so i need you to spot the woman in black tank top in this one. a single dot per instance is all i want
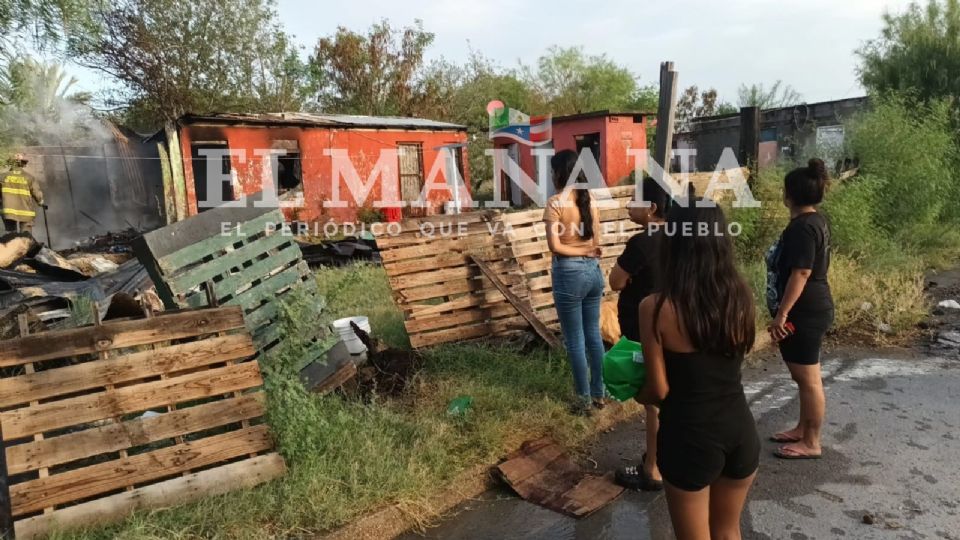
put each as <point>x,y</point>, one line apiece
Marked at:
<point>695,333</point>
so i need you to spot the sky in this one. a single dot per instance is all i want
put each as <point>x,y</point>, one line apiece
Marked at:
<point>808,44</point>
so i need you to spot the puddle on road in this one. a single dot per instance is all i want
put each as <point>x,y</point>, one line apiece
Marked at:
<point>500,515</point>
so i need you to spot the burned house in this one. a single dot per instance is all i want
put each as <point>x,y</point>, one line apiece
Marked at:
<point>95,188</point>
<point>404,153</point>
<point>785,133</point>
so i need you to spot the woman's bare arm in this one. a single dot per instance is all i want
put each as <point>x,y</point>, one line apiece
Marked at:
<point>655,386</point>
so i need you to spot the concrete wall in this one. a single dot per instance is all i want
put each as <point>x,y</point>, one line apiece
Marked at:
<point>794,130</point>
<point>363,146</point>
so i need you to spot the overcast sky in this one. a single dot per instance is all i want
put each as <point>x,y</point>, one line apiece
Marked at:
<point>809,44</point>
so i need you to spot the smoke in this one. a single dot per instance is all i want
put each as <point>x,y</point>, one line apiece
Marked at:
<point>40,109</point>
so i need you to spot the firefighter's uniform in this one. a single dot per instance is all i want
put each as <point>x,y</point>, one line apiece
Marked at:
<point>21,195</point>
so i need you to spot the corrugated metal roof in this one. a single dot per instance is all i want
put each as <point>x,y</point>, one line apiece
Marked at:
<point>326,120</point>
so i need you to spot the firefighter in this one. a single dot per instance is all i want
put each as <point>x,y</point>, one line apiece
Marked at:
<point>21,196</point>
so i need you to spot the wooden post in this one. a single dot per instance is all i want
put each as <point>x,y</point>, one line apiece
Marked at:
<point>666,112</point>
<point>176,170</point>
<point>749,138</point>
<point>169,198</point>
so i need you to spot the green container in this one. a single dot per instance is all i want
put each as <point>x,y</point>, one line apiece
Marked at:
<point>623,370</point>
<point>459,406</point>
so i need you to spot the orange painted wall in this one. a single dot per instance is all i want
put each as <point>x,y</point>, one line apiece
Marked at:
<point>617,135</point>
<point>363,147</point>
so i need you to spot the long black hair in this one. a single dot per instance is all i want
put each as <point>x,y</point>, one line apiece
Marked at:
<point>714,304</point>
<point>805,186</point>
<point>563,163</point>
<point>653,192</point>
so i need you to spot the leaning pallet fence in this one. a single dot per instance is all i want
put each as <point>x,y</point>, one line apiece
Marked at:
<point>233,255</point>
<point>103,420</point>
<point>445,297</point>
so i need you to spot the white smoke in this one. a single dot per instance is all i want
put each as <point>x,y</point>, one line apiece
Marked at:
<point>40,110</point>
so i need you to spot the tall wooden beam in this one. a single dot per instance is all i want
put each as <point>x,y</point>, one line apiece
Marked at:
<point>666,113</point>
<point>749,138</point>
<point>176,170</point>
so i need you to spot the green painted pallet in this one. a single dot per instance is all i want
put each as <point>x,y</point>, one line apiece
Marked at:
<point>233,256</point>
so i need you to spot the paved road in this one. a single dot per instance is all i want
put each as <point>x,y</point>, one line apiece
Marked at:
<point>892,451</point>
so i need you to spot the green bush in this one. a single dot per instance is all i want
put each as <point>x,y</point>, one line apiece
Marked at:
<point>908,150</point>
<point>760,227</point>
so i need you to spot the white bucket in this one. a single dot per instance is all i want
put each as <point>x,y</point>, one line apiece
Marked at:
<point>347,336</point>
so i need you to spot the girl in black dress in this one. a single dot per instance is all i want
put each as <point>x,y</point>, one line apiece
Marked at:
<point>799,300</point>
<point>695,332</point>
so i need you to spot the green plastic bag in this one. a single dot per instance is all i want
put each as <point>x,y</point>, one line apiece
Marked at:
<point>623,369</point>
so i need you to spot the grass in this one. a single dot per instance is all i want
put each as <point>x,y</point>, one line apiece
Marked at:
<point>347,458</point>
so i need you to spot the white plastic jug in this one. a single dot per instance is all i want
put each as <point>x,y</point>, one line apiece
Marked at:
<point>347,336</point>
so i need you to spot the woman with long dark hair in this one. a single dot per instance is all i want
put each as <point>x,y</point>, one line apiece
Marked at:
<point>573,235</point>
<point>695,332</point>
<point>799,300</point>
<point>636,275</point>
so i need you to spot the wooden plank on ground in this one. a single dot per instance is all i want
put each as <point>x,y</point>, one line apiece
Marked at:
<point>116,335</point>
<point>68,412</point>
<point>131,433</point>
<point>119,369</point>
<point>93,480</point>
<point>239,475</point>
<point>519,304</point>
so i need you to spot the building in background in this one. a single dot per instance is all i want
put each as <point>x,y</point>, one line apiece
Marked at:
<point>785,133</point>
<point>608,135</point>
<point>305,170</point>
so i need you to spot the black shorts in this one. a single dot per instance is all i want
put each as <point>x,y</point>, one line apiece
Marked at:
<point>803,346</point>
<point>692,459</point>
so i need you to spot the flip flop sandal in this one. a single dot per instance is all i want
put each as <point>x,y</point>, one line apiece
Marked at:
<point>776,437</point>
<point>780,453</point>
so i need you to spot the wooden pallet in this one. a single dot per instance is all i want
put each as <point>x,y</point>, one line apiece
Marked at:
<point>443,296</point>
<point>106,419</point>
<point>238,256</point>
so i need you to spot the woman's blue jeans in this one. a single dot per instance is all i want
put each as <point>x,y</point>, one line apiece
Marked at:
<point>577,291</point>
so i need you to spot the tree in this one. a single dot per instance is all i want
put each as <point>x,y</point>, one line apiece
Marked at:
<point>39,24</point>
<point>570,82</point>
<point>42,110</point>
<point>918,52</point>
<point>460,94</point>
<point>694,104</point>
<point>778,95</point>
<point>376,73</point>
<point>202,56</point>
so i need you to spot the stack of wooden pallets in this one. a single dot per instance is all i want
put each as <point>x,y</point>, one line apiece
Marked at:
<point>106,419</point>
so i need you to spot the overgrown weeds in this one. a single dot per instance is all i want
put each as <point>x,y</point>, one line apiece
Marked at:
<point>349,457</point>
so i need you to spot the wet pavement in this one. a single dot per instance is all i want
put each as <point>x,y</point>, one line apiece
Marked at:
<point>891,458</point>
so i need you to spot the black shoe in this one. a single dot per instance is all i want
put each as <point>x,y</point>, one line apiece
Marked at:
<point>637,479</point>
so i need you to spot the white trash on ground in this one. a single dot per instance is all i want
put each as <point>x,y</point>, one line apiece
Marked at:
<point>949,304</point>
<point>347,336</point>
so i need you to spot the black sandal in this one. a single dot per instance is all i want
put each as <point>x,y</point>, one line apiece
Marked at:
<point>637,479</point>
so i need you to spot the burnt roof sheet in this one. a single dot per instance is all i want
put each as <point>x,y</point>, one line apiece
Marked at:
<point>325,120</point>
